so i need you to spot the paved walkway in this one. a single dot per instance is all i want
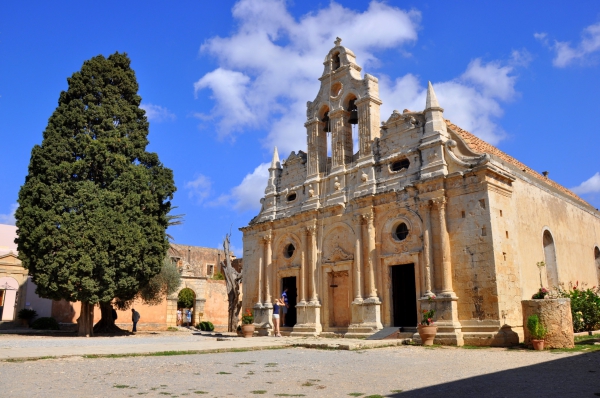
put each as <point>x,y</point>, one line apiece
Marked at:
<point>20,346</point>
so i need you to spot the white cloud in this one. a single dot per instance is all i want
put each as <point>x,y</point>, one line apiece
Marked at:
<point>471,100</point>
<point>567,54</point>
<point>591,185</point>
<point>10,217</point>
<point>200,188</point>
<point>247,195</point>
<point>268,68</point>
<point>157,113</point>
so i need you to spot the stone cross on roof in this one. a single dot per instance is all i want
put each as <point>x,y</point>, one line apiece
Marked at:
<point>337,41</point>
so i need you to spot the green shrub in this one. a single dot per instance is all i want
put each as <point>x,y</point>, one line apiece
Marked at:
<point>205,326</point>
<point>45,323</point>
<point>26,314</point>
<point>218,276</point>
<point>186,298</point>
<point>585,307</point>
<point>536,328</point>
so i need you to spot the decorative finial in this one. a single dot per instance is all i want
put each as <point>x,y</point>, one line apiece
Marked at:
<point>337,41</point>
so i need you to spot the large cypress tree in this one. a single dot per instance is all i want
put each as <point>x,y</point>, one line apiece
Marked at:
<point>92,214</point>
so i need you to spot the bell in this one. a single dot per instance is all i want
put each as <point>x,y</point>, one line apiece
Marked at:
<point>325,120</point>
<point>353,112</point>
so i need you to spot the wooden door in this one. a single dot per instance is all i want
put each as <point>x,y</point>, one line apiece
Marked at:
<point>339,287</point>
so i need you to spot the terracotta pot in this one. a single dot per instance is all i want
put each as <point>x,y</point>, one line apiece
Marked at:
<point>248,330</point>
<point>538,345</point>
<point>427,333</point>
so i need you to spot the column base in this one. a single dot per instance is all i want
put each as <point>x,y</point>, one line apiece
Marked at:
<point>308,319</point>
<point>263,319</point>
<point>366,318</point>
<point>449,330</point>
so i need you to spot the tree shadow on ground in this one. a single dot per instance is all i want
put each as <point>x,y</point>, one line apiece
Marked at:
<point>574,376</point>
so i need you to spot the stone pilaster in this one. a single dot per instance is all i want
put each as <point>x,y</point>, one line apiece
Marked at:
<point>263,312</point>
<point>303,257</point>
<point>427,244</point>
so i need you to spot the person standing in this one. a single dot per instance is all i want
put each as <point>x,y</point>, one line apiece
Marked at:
<point>179,317</point>
<point>276,307</point>
<point>285,306</point>
<point>188,317</point>
<point>135,318</point>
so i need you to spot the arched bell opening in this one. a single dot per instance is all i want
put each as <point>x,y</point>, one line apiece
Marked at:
<point>351,122</point>
<point>335,61</point>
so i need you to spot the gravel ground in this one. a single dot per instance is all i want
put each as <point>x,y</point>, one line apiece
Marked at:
<point>416,371</point>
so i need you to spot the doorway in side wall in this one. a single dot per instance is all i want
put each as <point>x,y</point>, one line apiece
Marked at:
<point>404,295</point>
<point>290,284</point>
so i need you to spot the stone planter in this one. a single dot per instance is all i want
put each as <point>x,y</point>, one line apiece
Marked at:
<point>427,333</point>
<point>248,330</point>
<point>555,314</point>
<point>538,345</point>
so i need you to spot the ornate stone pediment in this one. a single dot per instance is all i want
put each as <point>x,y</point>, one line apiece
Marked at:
<point>338,254</point>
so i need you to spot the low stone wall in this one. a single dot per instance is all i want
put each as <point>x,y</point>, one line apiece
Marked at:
<point>555,314</point>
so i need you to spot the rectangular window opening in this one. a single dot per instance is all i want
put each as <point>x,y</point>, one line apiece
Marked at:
<point>506,234</point>
<point>210,269</point>
<point>463,214</point>
<point>482,203</point>
<point>500,213</point>
<point>483,231</point>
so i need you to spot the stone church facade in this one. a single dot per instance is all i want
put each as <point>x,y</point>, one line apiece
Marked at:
<point>422,214</point>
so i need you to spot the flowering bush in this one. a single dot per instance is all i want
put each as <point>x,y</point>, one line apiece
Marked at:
<point>428,315</point>
<point>248,317</point>
<point>541,293</point>
<point>585,306</point>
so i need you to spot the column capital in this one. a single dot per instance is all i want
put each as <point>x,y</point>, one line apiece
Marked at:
<point>440,202</point>
<point>310,230</point>
<point>267,238</point>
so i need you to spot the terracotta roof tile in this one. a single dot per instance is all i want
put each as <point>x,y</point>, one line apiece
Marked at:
<point>478,145</point>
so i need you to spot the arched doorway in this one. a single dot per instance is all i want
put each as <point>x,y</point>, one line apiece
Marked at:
<point>186,300</point>
<point>550,259</point>
<point>8,298</point>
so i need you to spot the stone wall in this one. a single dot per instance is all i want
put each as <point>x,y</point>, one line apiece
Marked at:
<point>216,305</point>
<point>555,314</point>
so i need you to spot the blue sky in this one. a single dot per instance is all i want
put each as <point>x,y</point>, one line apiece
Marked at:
<point>223,82</point>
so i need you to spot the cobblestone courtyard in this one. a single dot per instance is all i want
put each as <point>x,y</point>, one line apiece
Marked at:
<point>402,371</point>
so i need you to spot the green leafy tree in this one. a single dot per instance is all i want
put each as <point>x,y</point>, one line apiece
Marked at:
<point>92,214</point>
<point>186,298</point>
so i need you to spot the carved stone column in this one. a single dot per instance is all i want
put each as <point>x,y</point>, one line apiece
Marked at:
<point>303,257</point>
<point>427,253</point>
<point>268,267</point>
<point>370,257</point>
<point>357,258</point>
<point>312,266</point>
<point>445,303</point>
<point>309,312</point>
<point>260,272</point>
<point>440,204</point>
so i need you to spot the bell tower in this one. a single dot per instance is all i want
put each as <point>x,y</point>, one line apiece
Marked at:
<point>345,100</point>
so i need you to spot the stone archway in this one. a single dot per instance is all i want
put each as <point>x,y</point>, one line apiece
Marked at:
<point>550,259</point>
<point>8,298</point>
<point>186,301</point>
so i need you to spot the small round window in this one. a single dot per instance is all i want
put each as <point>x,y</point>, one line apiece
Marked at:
<point>291,197</point>
<point>401,231</point>
<point>400,165</point>
<point>289,251</point>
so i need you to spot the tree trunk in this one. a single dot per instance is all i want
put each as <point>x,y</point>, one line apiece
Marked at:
<point>106,324</point>
<point>85,321</point>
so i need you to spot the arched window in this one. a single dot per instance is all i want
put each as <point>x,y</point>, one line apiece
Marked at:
<point>289,251</point>
<point>550,259</point>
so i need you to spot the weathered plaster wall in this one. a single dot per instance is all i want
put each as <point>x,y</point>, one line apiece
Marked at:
<point>216,305</point>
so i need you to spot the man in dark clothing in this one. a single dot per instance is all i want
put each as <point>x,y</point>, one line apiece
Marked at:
<point>135,317</point>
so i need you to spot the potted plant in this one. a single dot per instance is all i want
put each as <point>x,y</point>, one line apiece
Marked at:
<point>427,330</point>
<point>26,315</point>
<point>541,294</point>
<point>537,331</point>
<point>248,324</point>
